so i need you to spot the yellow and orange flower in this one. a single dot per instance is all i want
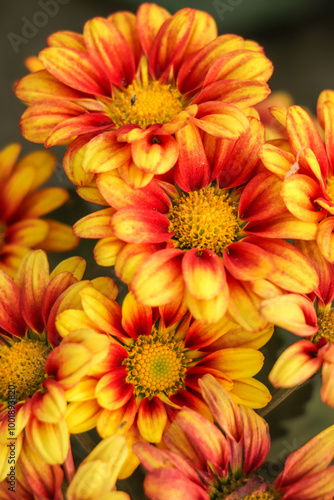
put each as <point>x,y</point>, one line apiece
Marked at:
<point>21,206</point>
<point>134,87</point>
<point>304,166</point>
<point>33,479</point>
<point>303,359</point>
<point>202,242</point>
<point>152,366</point>
<point>201,461</point>
<point>32,404</point>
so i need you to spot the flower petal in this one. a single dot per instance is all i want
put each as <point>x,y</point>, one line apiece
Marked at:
<point>156,154</point>
<point>152,419</point>
<point>140,225</point>
<point>112,391</point>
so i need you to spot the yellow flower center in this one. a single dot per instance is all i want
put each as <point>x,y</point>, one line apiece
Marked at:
<point>264,495</point>
<point>156,365</point>
<point>22,365</point>
<point>330,188</point>
<point>145,105</point>
<point>205,219</point>
<point>326,327</point>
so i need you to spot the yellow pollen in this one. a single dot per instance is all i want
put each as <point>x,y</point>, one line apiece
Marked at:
<point>145,105</point>
<point>156,365</point>
<point>22,365</point>
<point>205,219</point>
<point>263,495</point>
<point>326,327</point>
<point>330,188</point>
<point>224,487</point>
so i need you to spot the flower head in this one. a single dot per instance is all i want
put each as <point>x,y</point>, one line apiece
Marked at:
<point>21,206</point>
<point>33,404</point>
<point>201,461</point>
<point>201,241</point>
<point>152,365</point>
<point>131,85</point>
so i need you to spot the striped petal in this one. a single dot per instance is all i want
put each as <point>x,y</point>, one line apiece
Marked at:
<point>136,318</point>
<point>152,419</point>
<point>112,391</point>
<point>107,46</point>
<point>60,237</point>
<point>159,279</point>
<point>150,17</point>
<point>140,225</point>
<point>75,69</point>
<point>104,153</point>
<point>246,261</point>
<point>292,312</point>
<point>11,319</point>
<point>155,155</point>
<point>164,484</point>
<point>325,238</point>
<point>95,225</point>
<point>49,441</point>
<point>221,120</point>
<point>192,169</point>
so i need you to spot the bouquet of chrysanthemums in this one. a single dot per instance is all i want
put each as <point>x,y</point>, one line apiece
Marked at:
<point>218,218</point>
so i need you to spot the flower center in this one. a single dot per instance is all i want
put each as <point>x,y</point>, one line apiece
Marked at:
<point>326,327</point>
<point>205,219</point>
<point>224,488</point>
<point>330,187</point>
<point>156,365</point>
<point>145,105</point>
<point>22,365</point>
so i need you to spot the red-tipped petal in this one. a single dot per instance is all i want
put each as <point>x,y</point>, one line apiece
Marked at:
<point>152,419</point>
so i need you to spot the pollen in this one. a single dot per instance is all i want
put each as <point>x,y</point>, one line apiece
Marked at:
<point>22,365</point>
<point>326,327</point>
<point>205,219</point>
<point>225,486</point>
<point>156,365</point>
<point>145,105</point>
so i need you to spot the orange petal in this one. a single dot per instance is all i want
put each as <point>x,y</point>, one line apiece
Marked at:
<point>152,419</point>
<point>40,119</point>
<point>107,46</point>
<point>171,483</point>
<point>150,18</point>
<point>292,312</point>
<point>299,193</point>
<point>156,154</point>
<point>60,237</point>
<point>112,391</point>
<point>8,159</point>
<point>192,169</point>
<point>130,256</point>
<point>75,69</point>
<point>284,225</point>
<point>51,406</point>
<point>325,238</point>
<point>67,39</point>
<point>246,261</point>
<point>126,23</point>
<point>95,225</point>
<point>104,153</point>
<point>276,160</point>
<point>11,320</point>
<point>40,86</point>
<point>140,225</point>
<point>49,441</point>
<point>159,279</point>
<point>106,251</point>
<point>133,176</point>
<point>241,94</point>
<point>302,132</point>
<point>203,273</point>
<point>221,120</point>
<point>136,318</point>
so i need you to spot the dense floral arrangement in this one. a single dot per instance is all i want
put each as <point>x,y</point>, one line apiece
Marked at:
<point>218,221</point>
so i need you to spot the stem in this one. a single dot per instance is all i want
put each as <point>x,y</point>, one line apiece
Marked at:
<point>278,396</point>
<point>68,465</point>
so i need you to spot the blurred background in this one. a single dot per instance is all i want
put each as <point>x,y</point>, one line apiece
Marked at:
<point>297,36</point>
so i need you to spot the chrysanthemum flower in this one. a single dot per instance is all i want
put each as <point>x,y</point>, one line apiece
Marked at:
<point>21,206</point>
<point>33,479</point>
<point>304,168</point>
<point>153,364</point>
<point>33,404</point>
<point>303,359</point>
<point>202,462</point>
<point>136,82</point>
<point>201,242</point>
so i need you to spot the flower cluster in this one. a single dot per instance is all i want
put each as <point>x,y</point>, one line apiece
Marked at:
<point>217,218</point>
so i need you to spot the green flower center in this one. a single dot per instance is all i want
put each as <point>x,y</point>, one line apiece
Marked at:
<point>22,365</point>
<point>205,219</point>
<point>223,488</point>
<point>156,365</point>
<point>145,104</point>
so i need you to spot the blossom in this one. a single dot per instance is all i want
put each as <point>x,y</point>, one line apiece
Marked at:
<point>138,88</point>
<point>22,205</point>
<point>32,404</point>
<point>199,234</point>
<point>153,363</point>
<point>201,461</point>
<point>303,165</point>
<point>94,478</point>
<point>315,321</point>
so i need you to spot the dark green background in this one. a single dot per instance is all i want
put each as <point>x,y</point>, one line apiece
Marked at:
<point>298,37</point>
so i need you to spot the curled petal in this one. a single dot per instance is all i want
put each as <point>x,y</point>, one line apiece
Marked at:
<point>155,155</point>
<point>297,364</point>
<point>49,441</point>
<point>292,312</point>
